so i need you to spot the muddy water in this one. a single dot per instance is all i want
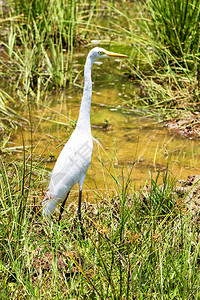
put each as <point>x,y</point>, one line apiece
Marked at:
<point>130,145</point>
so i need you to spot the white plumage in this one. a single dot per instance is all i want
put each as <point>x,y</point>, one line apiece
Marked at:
<point>74,159</point>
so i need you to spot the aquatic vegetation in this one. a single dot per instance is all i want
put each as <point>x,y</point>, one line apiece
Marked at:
<point>9,116</point>
<point>41,39</point>
<point>176,26</point>
<point>164,58</point>
<point>137,244</point>
<point>36,40</point>
<point>43,36</point>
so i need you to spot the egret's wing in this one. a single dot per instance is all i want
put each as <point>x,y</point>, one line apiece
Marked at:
<point>72,164</point>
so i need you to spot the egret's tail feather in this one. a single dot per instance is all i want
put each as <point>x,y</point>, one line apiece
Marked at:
<point>49,206</point>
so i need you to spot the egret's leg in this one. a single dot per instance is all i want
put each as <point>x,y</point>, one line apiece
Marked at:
<point>62,207</point>
<point>79,213</point>
<point>79,205</point>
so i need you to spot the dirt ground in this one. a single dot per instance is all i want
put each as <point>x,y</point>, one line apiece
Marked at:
<point>187,125</point>
<point>190,192</point>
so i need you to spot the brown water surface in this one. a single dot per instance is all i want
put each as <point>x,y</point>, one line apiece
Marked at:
<point>129,144</point>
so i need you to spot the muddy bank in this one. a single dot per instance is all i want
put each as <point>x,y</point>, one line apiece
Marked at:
<point>187,125</point>
<point>189,191</point>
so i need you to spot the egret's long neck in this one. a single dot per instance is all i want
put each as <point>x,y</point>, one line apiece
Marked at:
<point>84,113</point>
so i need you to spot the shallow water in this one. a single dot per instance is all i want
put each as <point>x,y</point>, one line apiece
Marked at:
<point>131,145</point>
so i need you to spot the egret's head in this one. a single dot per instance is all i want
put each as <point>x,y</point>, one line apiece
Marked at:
<point>98,52</point>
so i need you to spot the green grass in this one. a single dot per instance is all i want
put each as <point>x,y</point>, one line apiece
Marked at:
<point>141,245</point>
<point>163,39</point>
<point>10,119</point>
<point>176,26</point>
<point>41,37</point>
<point>36,40</point>
<point>164,55</point>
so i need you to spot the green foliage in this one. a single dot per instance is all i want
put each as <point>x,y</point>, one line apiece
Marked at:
<point>137,246</point>
<point>9,118</point>
<point>175,24</point>
<point>164,61</point>
<point>37,39</point>
<point>41,39</point>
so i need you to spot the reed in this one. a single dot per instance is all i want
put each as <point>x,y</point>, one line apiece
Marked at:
<point>176,26</point>
<point>36,41</point>
<point>41,39</point>
<point>10,119</point>
<point>138,245</point>
<point>164,60</point>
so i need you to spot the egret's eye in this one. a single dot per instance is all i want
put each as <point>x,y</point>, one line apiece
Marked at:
<point>101,53</point>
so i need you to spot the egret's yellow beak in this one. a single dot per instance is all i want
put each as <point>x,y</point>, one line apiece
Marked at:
<point>115,54</point>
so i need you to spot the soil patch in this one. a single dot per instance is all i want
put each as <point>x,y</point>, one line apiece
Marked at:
<point>190,191</point>
<point>187,125</point>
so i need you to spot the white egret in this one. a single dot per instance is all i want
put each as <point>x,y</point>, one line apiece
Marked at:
<point>74,159</point>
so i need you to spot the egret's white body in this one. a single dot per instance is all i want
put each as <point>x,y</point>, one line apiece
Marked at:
<point>74,159</point>
<point>70,168</point>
